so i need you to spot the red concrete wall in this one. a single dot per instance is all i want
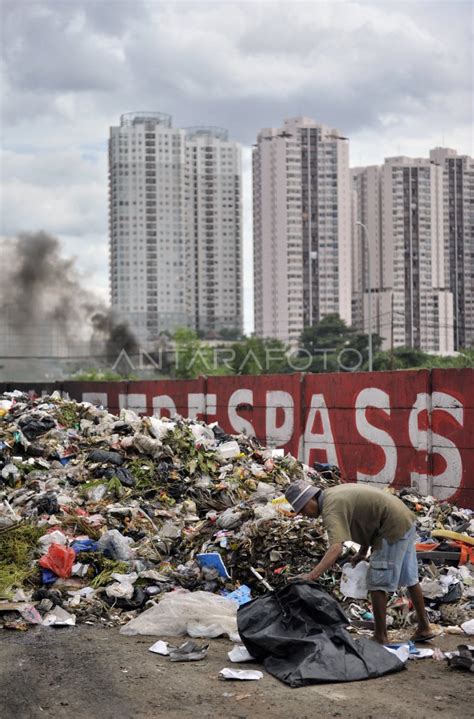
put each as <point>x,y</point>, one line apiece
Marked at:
<point>405,428</point>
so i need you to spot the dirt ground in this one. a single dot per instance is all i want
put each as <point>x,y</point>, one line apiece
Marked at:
<point>91,672</point>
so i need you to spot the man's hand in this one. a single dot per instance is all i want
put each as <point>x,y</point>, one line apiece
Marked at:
<point>304,577</point>
<point>359,557</point>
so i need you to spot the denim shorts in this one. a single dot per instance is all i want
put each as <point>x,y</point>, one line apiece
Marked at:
<point>394,565</point>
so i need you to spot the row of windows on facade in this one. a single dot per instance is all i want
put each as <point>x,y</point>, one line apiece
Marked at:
<point>178,202</point>
<point>229,215</point>
<point>161,171</point>
<point>118,261</point>
<point>125,142</point>
<point>171,138</point>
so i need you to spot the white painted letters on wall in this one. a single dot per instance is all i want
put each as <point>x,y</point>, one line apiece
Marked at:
<point>278,436</point>
<point>238,423</point>
<point>373,397</point>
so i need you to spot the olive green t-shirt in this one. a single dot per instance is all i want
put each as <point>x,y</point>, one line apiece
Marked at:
<point>364,514</point>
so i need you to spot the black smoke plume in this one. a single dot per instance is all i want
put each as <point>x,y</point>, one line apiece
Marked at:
<point>42,293</point>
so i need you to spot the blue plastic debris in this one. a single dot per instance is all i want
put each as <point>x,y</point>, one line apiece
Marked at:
<point>84,545</point>
<point>241,595</point>
<point>412,648</point>
<point>48,577</point>
<point>214,561</point>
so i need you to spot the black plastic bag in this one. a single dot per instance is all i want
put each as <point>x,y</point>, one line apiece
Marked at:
<point>48,504</point>
<point>33,426</point>
<point>298,633</point>
<point>123,474</point>
<point>103,456</point>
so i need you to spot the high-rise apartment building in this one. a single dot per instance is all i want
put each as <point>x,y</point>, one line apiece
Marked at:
<point>214,207</point>
<point>174,211</point>
<point>367,245</point>
<point>302,228</point>
<point>413,254</point>
<point>458,192</point>
<point>401,205</point>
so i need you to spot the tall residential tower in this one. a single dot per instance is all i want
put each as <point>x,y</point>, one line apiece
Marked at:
<point>214,207</point>
<point>401,204</point>
<point>175,229</point>
<point>458,204</point>
<point>302,228</point>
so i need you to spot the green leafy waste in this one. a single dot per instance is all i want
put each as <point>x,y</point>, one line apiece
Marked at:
<point>17,557</point>
<point>67,414</point>
<point>144,472</point>
<point>183,444</point>
<point>113,486</point>
<point>105,568</point>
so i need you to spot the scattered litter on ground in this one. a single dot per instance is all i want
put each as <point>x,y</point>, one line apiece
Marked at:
<point>58,617</point>
<point>468,627</point>
<point>240,654</point>
<point>189,652</point>
<point>161,647</point>
<point>463,658</point>
<point>241,674</point>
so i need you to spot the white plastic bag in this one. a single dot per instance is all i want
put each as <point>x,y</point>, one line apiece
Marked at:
<point>147,445</point>
<point>123,587</point>
<point>354,580</point>
<point>203,435</point>
<point>228,450</point>
<point>56,537</point>
<point>180,612</point>
<point>116,544</point>
<point>130,417</point>
<point>160,427</point>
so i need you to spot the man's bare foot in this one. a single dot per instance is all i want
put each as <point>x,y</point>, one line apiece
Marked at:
<point>379,639</point>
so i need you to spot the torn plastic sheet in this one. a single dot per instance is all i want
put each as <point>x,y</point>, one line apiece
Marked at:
<point>199,614</point>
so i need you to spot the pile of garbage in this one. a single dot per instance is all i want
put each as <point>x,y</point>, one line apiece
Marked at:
<point>101,516</point>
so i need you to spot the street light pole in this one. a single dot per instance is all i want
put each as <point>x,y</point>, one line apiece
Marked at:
<point>361,224</point>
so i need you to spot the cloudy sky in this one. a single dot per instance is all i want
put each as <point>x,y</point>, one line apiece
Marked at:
<point>396,77</point>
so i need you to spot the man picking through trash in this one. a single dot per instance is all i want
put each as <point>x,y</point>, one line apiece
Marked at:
<point>374,519</point>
